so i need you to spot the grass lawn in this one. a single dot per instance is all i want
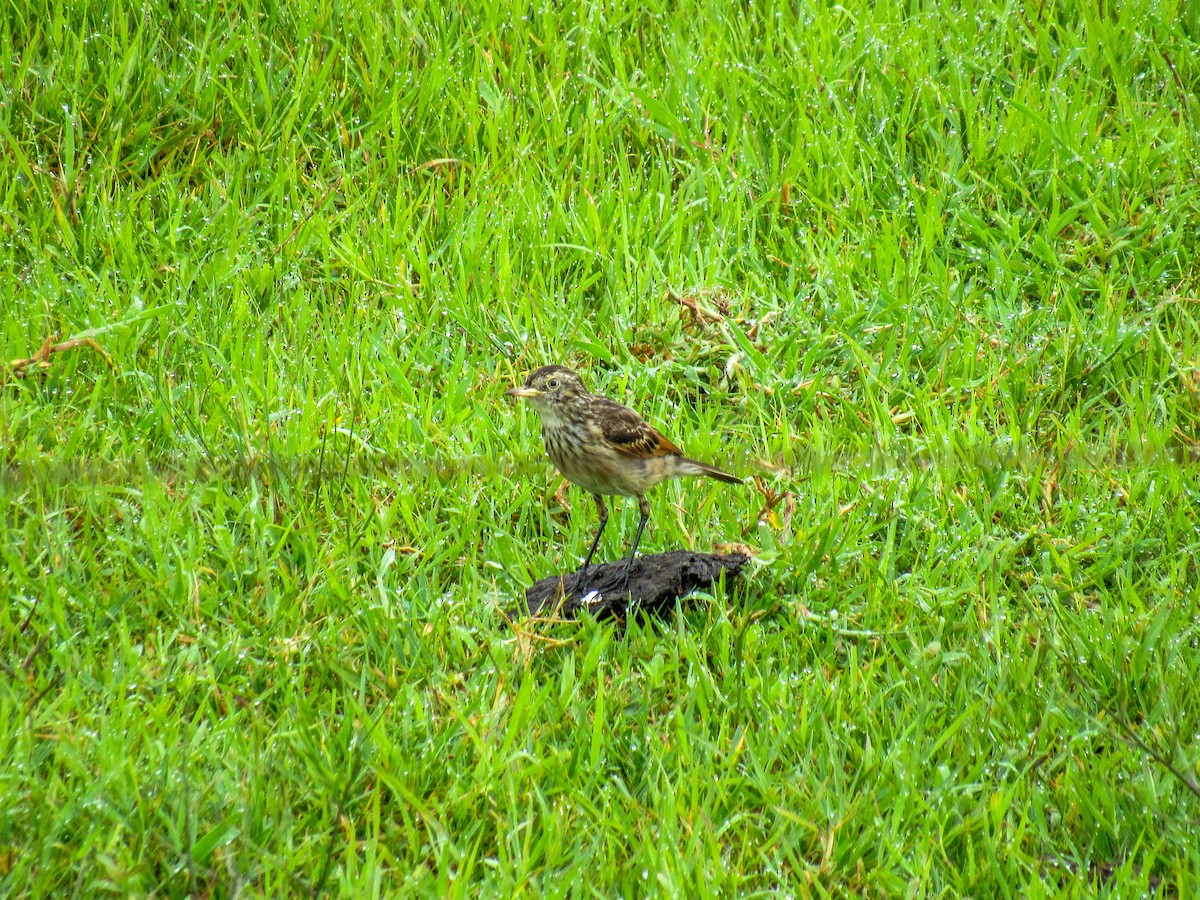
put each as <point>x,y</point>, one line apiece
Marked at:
<point>928,273</point>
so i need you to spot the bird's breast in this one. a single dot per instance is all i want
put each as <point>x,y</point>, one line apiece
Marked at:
<point>596,467</point>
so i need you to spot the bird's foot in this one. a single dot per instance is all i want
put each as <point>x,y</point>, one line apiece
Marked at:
<point>587,580</point>
<point>618,583</point>
<point>583,579</point>
<point>623,581</point>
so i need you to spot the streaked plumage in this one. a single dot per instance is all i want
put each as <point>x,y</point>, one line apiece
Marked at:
<point>604,447</point>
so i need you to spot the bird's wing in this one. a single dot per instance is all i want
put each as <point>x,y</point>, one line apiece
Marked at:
<point>628,434</point>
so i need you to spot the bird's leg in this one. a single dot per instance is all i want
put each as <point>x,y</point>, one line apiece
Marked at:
<point>644,508</point>
<point>602,511</point>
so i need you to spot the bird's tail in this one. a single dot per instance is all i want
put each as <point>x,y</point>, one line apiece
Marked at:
<point>695,467</point>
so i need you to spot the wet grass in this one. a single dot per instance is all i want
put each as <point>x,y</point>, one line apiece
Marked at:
<point>929,276</point>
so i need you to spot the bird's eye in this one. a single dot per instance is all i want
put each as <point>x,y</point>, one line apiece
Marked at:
<point>552,384</point>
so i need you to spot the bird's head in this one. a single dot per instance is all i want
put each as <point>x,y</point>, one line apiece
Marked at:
<point>549,387</point>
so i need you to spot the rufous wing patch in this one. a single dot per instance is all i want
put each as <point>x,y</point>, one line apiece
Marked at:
<point>629,435</point>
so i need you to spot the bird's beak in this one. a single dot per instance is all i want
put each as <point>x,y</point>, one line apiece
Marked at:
<point>522,392</point>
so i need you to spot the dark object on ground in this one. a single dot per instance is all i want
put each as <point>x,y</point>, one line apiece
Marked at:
<point>656,583</point>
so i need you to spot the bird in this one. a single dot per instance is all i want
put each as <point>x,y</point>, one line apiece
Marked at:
<point>604,447</point>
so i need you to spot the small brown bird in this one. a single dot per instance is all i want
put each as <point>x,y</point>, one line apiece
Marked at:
<point>604,447</point>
